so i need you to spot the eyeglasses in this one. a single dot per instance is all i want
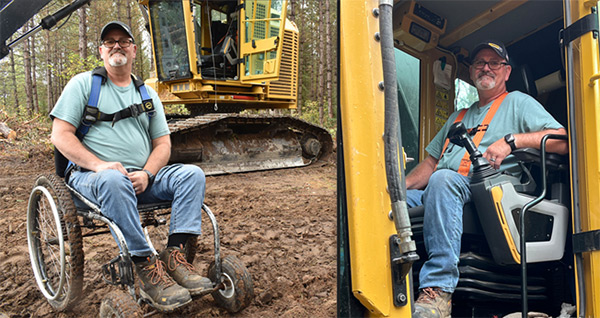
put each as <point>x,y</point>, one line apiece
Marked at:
<point>494,65</point>
<point>122,43</point>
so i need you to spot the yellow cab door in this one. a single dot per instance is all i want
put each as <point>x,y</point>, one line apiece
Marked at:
<point>583,74</point>
<point>261,30</point>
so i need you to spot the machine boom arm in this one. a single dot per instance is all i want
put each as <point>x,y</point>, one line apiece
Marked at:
<point>16,13</point>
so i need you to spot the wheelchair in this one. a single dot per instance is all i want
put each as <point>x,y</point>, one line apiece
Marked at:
<point>55,231</point>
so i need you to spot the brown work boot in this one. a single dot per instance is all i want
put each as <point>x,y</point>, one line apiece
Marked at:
<point>158,287</point>
<point>183,272</point>
<point>433,303</point>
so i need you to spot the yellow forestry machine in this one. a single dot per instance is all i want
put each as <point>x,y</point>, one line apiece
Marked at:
<point>217,58</point>
<point>528,246</point>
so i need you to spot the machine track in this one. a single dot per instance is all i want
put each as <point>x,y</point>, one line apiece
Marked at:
<point>231,143</point>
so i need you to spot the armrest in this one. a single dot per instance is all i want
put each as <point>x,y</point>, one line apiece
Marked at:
<point>554,161</point>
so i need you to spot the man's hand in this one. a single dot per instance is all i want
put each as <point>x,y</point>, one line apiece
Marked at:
<point>496,153</point>
<point>140,181</point>
<point>419,176</point>
<point>110,165</point>
<point>499,150</point>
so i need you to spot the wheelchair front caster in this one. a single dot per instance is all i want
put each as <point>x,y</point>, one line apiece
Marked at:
<point>237,290</point>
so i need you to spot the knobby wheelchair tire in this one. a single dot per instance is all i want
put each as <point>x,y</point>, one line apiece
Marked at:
<point>238,291</point>
<point>55,242</point>
<point>118,304</point>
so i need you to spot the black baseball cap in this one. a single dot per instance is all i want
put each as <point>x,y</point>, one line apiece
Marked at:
<point>495,45</point>
<point>116,25</point>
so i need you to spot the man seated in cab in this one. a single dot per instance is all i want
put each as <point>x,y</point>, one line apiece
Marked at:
<point>442,186</point>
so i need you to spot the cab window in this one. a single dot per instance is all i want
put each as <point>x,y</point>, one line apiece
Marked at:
<point>465,94</point>
<point>170,42</point>
<point>408,78</point>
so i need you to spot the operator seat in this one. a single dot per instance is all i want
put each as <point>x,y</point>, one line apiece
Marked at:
<point>522,80</point>
<point>481,278</point>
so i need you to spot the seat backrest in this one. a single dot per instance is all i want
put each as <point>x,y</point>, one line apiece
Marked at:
<point>522,80</point>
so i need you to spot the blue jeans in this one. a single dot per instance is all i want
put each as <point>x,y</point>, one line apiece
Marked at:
<point>184,185</point>
<point>443,201</point>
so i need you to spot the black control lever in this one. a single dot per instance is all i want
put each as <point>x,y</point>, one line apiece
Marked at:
<point>458,135</point>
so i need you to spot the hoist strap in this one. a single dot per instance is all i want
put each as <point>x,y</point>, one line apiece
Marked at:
<point>589,23</point>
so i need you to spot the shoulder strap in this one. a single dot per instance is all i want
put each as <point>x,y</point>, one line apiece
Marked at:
<point>91,112</point>
<point>147,103</point>
<point>465,162</point>
<point>100,71</point>
<point>460,116</point>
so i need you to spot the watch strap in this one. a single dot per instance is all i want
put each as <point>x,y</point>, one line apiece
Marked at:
<point>510,140</point>
<point>150,176</point>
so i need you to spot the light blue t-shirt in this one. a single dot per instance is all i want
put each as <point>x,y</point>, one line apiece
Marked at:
<point>129,141</point>
<point>518,113</point>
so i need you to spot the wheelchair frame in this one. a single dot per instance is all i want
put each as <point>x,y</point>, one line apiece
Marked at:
<point>57,259</point>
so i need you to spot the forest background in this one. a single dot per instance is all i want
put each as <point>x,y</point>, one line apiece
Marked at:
<point>36,71</point>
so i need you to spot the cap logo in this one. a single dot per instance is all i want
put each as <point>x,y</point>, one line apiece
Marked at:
<point>496,46</point>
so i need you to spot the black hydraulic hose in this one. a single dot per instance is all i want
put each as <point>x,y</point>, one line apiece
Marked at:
<point>392,140</point>
<point>395,177</point>
<point>574,161</point>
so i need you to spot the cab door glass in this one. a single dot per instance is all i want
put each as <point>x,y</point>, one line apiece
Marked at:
<point>170,41</point>
<point>197,14</point>
<point>263,25</point>
<point>408,79</point>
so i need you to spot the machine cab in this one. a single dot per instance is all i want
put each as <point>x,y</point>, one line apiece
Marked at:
<point>227,40</point>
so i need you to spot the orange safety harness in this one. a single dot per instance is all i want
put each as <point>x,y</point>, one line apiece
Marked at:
<point>465,162</point>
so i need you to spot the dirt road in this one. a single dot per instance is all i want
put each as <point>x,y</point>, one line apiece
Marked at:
<point>281,224</point>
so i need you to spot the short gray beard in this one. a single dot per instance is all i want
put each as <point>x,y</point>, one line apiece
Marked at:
<point>116,61</point>
<point>479,84</point>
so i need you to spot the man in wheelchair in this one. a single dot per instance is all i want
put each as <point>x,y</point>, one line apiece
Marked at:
<point>118,151</point>
<point>500,122</point>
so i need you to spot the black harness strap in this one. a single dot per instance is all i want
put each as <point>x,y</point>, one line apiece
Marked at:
<point>92,113</point>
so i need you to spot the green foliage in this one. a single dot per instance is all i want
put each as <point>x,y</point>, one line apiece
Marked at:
<point>310,113</point>
<point>76,65</point>
<point>178,109</point>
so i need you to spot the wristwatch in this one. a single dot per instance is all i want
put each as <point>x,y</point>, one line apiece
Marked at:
<point>510,140</point>
<point>150,177</point>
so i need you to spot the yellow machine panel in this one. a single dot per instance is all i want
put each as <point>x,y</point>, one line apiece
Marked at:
<point>436,36</point>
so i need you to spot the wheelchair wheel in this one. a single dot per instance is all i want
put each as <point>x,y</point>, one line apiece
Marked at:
<point>120,305</point>
<point>238,290</point>
<point>55,243</point>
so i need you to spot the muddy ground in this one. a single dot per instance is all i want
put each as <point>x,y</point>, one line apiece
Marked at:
<point>281,224</point>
